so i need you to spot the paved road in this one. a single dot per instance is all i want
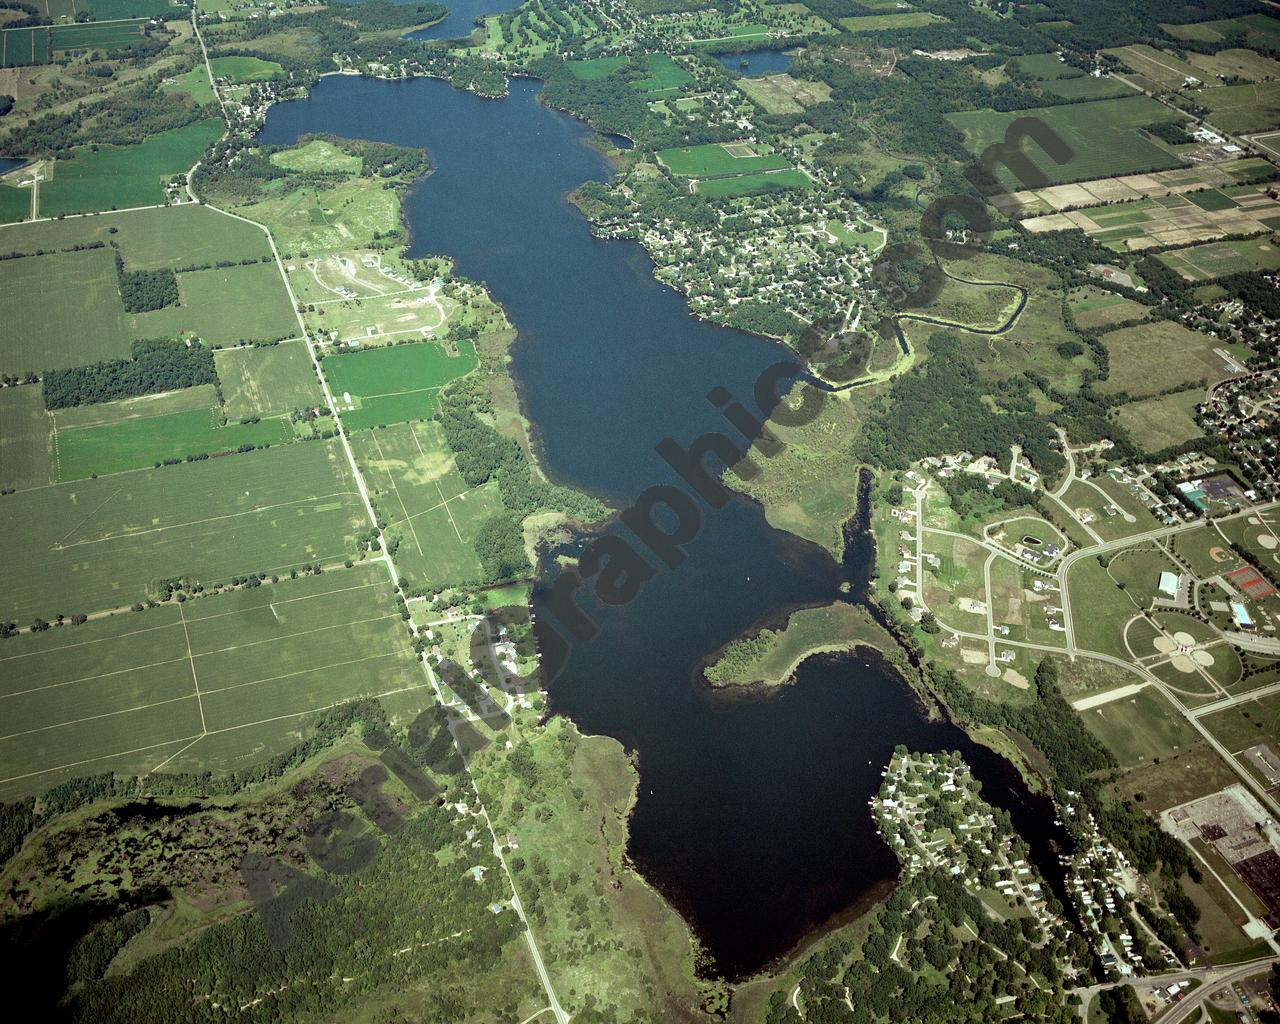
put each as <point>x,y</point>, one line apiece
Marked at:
<point>1211,978</point>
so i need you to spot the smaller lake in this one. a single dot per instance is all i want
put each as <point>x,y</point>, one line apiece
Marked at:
<point>7,165</point>
<point>462,18</point>
<point>758,62</point>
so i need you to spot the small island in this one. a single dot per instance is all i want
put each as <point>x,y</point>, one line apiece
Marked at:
<point>771,656</point>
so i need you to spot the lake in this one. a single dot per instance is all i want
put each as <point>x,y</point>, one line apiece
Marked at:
<point>752,814</point>
<point>462,18</point>
<point>758,62</point>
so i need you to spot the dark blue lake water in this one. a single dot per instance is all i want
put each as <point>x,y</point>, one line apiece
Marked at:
<point>752,815</point>
<point>758,62</point>
<point>7,164</point>
<point>462,18</point>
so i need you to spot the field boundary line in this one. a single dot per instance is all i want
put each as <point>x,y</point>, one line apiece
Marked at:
<point>288,600</point>
<point>191,660</point>
<point>290,636</point>
<point>396,394</point>
<point>57,544</point>
<point>199,522</point>
<point>304,671</point>
<point>172,756</point>
<point>90,679</point>
<point>86,643</point>
<point>382,455</point>
<point>312,711</point>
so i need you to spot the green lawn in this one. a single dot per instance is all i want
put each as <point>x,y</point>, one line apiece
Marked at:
<point>102,543</point>
<point>120,693</point>
<point>41,334</point>
<point>195,83</point>
<point>1102,136</point>
<point>395,384</point>
<point>15,203</point>
<point>138,443</point>
<point>267,381</point>
<point>117,177</point>
<point>240,70</point>
<point>752,184</point>
<point>24,437</point>
<point>665,76</point>
<point>593,70</point>
<point>1159,422</point>
<point>1140,728</point>
<point>224,306</point>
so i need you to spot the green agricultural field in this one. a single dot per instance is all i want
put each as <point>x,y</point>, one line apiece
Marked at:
<point>752,184</point>
<point>1102,136</point>
<point>594,70</point>
<point>318,155</point>
<point>240,70</point>
<point>111,10</point>
<point>41,334</point>
<point>714,160</point>
<point>392,385</point>
<point>432,516</point>
<point>1045,67</point>
<point>1140,729</point>
<point>267,381</point>
<point>1258,29</point>
<point>194,83</point>
<point>1150,358</point>
<point>1243,108</point>
<point>24,437</point>
<point>23,47</point>
<point>96,544</point>
<point>15,203</point>
<point>116,177</point>
<point>225,305</point>
<point>665,76</point>
<point>168,238</point>
<point>130,692</point>
<point>886,22</point>
<point>92,36</point>
<point>100,414</point>
<point>1217,259</point>
<point>1089,88</point>
<point>142,442</point>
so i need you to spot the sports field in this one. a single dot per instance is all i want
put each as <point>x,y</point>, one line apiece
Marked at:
<point>716,159</point>
<point>1102,136</point>
<point>225,305</point>
<point>429,510</point>
<point>118,177</point>
<point>267,381</point>
<point>95,544</point>
<point>1151,358</point>
<point>24,437</point>
<point>753,184</point>
<point>245,69</point>
<point>129,692</point>
<point>392,385</point>
<point>142,442</point>
<point>1217,259</point>
<point>169,238</point>
<point>43,334</point>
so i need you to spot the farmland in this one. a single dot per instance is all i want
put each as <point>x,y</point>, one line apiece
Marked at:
<point>270,381</point>
<point>1243,108</point>
<point>167,238</point>
<point>24,438</point>
<point>240,70</point>
<point>103,543</point>
<point>43,335</point>
<point>116,177</point>
<point>329,220</point>
<point>141,442</point>
<point>1102,136</point>
<point>1216,259</point>
<point>392,385</point>
<point>432,515</point>
<point>129,692</point>
<point>884,22</point>
<point>260,311</point>
<point>1158,423</point>
<point>782,94</point>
